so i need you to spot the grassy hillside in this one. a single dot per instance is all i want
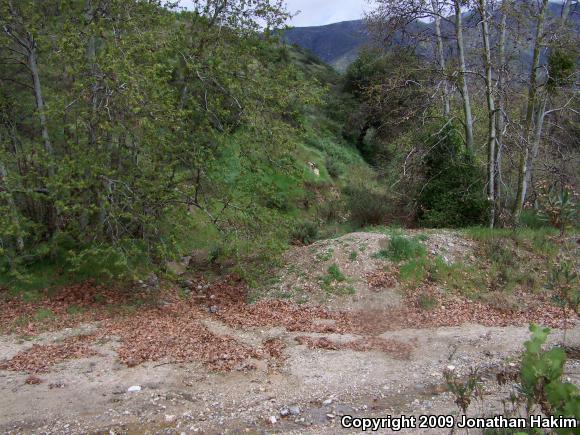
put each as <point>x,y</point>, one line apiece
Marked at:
<point>257,199</point>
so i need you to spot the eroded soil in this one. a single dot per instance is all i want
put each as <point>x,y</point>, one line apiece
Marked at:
<point>207,362</point>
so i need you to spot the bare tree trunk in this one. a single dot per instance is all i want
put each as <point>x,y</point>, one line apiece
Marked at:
<point>526,160</point>
<point>468,117</point>
<point>491,134</point>
<point>441,59</point>
<point>12,207</point>
<point>500,113</point>
<point>565,12</point>
<point>33,65</point>
<point>537,137</point>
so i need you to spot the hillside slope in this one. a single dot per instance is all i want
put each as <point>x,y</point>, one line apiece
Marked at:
<point>331,43</point>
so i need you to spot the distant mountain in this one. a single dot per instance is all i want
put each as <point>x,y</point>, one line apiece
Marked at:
<point>338,44</point>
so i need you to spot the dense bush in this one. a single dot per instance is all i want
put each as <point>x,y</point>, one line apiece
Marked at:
<point>305,233</point>
<point>367,206</point>
<point>454,193</point>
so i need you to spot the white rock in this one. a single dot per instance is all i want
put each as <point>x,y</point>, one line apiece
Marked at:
<point>134,389</point>
<point>294,410</point>
<point>169,418</point>
<point>451,368</point>
<point>327,402</point>
<point>273,419</point>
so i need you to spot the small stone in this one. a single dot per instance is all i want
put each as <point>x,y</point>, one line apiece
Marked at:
<point>330,416</point>
<point>294,410</point>
<point>327,402</point>
<point>450,368</point>
<point>213,309</point>
<point>273,419</point>
<point>152,280</point>
<point>176,268</point>
<point>285,412</point>
<point>169,418</point>
<point>134,389</point>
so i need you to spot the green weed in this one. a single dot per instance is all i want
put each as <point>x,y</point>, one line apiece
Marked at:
<point>402,248</point>
<point>43,314</point>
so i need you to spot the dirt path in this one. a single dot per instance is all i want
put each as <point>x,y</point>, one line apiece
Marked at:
<point>290,369</point>
<point>91,394</point>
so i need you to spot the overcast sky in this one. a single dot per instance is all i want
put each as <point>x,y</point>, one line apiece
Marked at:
<point>320,12</point>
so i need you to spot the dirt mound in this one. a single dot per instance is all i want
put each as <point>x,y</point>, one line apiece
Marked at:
<point>335,273</point>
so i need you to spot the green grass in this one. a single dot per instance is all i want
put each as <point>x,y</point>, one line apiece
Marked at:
<point>536,240</point>
<point>334,274</point>
<point>333,282</point>
<point>458,277</point>
<point>390,231</point>
<point>402,248</point>
<point>353,256</point>
<point>325,256</point>
<point>75,309</point>
<point>427,302</point>
<point>43,314</point>
<point>345,290</point>
<point>414,270</point>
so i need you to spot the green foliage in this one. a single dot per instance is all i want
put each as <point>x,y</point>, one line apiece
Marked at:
<point>453,194</point>
<point>558,206</point>
<point>463,390</point>
<point>334,274</point>
<point>43,314</point>
<point>541,373</point>
<point>403,248</point>
<point>306,233</point>
<point>563,282</point>
<point>561,68</point>
<point>202,149</point>
<point>427,301</point>
<point>367,207</point>
<point>390,88</point>
<point>333,282</point>
<point>532,219</point>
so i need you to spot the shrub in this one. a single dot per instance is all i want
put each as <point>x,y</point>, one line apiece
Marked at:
<point>335,169</point>
<point>305,233</point>
<point>367,207</point>
<point>531,219</point>
<point>541,377</point>
<point>453,195</point>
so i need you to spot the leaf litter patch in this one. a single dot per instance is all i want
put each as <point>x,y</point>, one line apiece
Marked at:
<point>40,358</point>
<point>394,348</point>
<point>175,333</point>
<point>449,310</point>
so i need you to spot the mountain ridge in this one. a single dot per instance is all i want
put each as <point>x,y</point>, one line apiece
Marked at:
<point>338,44</point>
